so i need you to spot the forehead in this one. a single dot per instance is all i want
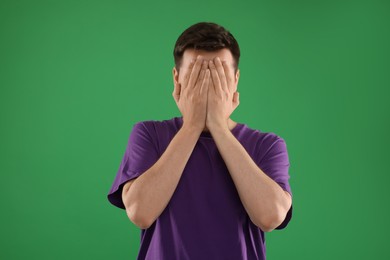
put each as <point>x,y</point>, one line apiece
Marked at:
<point>223,54</point>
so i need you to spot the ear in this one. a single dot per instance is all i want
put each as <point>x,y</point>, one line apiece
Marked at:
<point>237,76</point>
<point>176,84</point>
<point>175,75</point>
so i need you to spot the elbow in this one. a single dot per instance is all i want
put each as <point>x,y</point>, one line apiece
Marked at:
<point>138,219</point>
<point>274,223</point>
<point>271,222</point>
<point>264,226</point>
<point>133,211</point>
<point>267,226</point>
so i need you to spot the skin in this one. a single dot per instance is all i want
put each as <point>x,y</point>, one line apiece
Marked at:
<point>205,92</point>
<point>224,65</point>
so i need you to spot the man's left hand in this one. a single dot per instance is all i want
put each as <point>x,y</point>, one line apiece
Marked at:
<point>222,98</point>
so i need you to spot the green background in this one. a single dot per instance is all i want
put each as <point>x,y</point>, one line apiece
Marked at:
<point>76,75</point>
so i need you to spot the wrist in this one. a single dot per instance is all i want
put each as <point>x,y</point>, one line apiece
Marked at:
<point>217,126</point>
<point>191,128</point>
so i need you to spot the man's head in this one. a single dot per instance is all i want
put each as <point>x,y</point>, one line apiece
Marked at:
<point>209,40</point>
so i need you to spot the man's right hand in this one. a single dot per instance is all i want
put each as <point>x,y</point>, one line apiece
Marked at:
<point>192,101</point>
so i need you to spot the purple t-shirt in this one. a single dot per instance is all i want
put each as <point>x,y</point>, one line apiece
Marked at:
<point>205,218</point>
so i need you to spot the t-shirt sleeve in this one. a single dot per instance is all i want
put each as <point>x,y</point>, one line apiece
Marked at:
<point>141,153</point>
<point>275,164</point>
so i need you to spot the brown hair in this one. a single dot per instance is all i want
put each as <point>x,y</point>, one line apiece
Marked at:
<point>206,36</point>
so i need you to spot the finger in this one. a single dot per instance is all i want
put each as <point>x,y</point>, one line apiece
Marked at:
<point>188,73</point>
<point>205,83</point>
<point>221,74</point>
<point>215,77</point>
<point>195,71</point>
<point>229,76</point>
<point>210,85</point>
<point>202,73</point>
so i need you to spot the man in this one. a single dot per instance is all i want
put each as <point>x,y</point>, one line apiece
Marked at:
<point>203,186</point>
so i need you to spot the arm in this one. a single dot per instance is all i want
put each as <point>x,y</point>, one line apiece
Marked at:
<point>150,192</point>
<point>265,201</point>
<point>146,198</point>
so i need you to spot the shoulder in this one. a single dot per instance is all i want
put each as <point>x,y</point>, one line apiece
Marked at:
<point>264,139</point>
<point>155,127</point>
<point>159,132</point>
<point>262,144</point>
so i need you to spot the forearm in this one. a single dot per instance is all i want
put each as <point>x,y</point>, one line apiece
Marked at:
<point>264,200</point>
<point>151,191</point>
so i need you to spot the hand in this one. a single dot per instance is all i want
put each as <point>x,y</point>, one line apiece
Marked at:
<point>222,98</point>
<point>191,97</point>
